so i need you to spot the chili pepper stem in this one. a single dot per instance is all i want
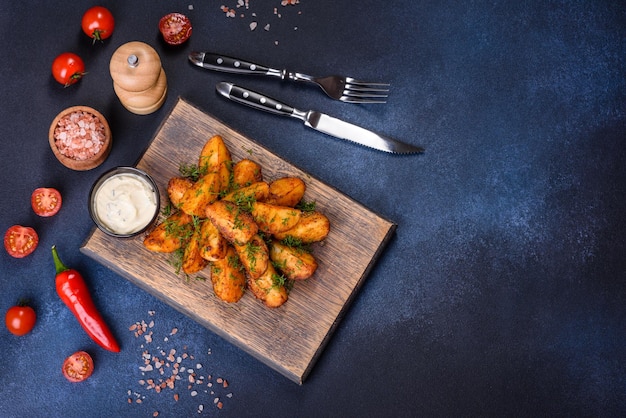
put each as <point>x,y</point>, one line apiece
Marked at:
<point>58,264</point>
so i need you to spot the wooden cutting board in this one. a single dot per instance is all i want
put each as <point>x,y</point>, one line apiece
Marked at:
<point>289,338</point>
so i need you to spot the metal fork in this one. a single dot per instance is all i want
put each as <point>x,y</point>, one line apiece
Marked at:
<point>346,89</point>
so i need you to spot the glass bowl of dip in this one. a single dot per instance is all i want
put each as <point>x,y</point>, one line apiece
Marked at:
<point>124,202</point>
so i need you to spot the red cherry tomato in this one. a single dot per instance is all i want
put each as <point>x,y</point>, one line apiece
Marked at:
<point>20,319</point>
<point>78,366</point>
<point>20,241</point>
<point>68,68</point>
<point>46,201</point>
<point>98,23</point>
<point>175,28</point>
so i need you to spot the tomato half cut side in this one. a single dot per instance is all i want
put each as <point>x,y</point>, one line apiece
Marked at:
<point>20,241</point>
<point>78,366</point>
<point>175,28</point>
<point>46,201</point>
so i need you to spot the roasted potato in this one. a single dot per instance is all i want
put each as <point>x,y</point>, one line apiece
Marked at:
<point>224,173</point>
<point>312,227</point>
<point>272,219</point>
<point>213,245</point>
<point>192,261</point>
<point>238,224</point>
<point>269,287</point>
<point>171,234</point>
<point>293,262</point>
<point>245,173</point>
<point>235,224</point>
<point>246,195</point>
<point>254,256</point>
<point>203,192</point>
<point>176,188</point>
<point>228,277</point>
<point>286,191</point>
<point>213,154</point>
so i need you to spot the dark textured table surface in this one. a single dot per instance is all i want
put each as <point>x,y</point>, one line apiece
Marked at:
<point>503,291</point>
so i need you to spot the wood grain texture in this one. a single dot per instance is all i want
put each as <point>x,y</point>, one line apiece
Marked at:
<point>290,338</point>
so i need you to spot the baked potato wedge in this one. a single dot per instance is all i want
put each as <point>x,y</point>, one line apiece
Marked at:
<point>235,224</point>
<point>176,189</point>
<point>295,263</point>
<point>286,191</point>
<point>192,261</point>
<point>228,277</point>
<point>171,234</point>
<point>254,256</point>
<point>272,219</point>
<point>224,172</point>
<point>213,154</point>
<point>245,173</point>
<point>312,227</point>
<point>203,192</point>
<point>269,287</point>
<point>255,192</point>
<point>213,245</point>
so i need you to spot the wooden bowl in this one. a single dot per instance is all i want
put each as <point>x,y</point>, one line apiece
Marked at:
<point>80,157</point>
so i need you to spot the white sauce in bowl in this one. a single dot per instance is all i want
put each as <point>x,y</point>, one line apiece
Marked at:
<point>125,203</point>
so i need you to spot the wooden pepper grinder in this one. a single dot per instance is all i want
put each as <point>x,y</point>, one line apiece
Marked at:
<point>138,78</point>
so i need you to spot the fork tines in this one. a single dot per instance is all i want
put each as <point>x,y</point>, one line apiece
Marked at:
<point>356,91</point>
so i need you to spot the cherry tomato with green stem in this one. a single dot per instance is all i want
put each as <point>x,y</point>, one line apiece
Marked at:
<point>68,68</point>
<point>20,319</point>
<point>98,23</point>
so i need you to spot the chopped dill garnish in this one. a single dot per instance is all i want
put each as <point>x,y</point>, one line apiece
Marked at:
<point>279,265</point>
<point>196,221</point>
<point>252,250</point>
<point>306,206</point>
<point>279,280</point>
<point>191,171</point>
<point>297,243</point>
<point>235,263</point>
<point>167,210</point>
<point>176,260</point>
<point>244,201</point>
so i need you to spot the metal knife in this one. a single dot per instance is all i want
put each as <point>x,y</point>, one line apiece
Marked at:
<point>316,120</point>
<point>227,64</point>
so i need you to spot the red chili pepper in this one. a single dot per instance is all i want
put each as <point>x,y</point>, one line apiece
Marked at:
<point>74,293</point>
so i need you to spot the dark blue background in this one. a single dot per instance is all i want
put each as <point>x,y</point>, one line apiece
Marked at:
<point>503,291</point>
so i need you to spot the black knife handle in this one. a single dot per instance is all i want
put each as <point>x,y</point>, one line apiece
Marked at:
<point>253,99</point>
<point>228,64</point>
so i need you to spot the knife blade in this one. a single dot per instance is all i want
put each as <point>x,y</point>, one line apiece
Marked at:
<point>316,120</point>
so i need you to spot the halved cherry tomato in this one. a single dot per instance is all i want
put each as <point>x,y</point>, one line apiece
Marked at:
<point>98,23</point>
<point>20,241</point>
<point>68,68</point>
<point>78,366</point>
<point>20,319</point>
<point>46,201</point>
<point>175,28</point>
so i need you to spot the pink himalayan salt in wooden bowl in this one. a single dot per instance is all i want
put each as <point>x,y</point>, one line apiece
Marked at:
<point>80,138</point>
